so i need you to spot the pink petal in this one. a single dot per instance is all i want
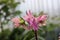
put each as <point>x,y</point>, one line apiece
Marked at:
<point>15,20</point>
<point>33,22</point>
<point>43,17</point>
<point>16,24</point>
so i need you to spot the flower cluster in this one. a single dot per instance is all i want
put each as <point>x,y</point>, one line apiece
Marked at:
<point>33,22</point>
<point>16,21</point>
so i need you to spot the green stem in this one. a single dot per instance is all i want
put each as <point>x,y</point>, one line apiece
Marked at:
<point>36,35</point>
<point>2,36</point>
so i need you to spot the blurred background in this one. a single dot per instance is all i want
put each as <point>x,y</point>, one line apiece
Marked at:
<point>17,8</point>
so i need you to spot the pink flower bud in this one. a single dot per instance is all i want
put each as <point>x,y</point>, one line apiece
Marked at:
<point>16,21</point>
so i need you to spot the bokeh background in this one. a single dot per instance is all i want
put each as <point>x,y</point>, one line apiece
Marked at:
<point>17,8</point>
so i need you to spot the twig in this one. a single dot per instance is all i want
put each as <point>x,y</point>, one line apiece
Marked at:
<point>36,35</point>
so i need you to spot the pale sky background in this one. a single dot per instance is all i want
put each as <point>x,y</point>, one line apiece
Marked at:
<point>48,6</point>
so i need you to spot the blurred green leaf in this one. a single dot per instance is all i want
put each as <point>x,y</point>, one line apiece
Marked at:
<point>17,13</point>
<point>3,1</point>
<point>5,8</point>
<point>5,34</point>
<point>51,26</point>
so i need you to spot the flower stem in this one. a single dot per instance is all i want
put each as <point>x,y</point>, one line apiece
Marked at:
<point>36,35</point>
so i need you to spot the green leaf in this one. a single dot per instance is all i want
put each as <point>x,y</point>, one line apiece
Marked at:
<point>5,8</point>
<point>17,13</point>
<point>51,27</point>
<point>5,34</point>
<point>3,1</point>
<point>14,5</point>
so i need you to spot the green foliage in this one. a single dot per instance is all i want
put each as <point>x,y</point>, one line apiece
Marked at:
<point>16,34</point>
<point>51,26</point>
<point>22,34</point>
<point>5,34</point>
<point>17,13</point>
<point>7,11</point>
<point>8,8</point>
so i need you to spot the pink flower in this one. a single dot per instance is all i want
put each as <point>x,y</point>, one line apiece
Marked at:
<point>41,19</point>
<point>33,21</point>
<point>17,24</point>
<point>16,21</point>
<point>28,16</point>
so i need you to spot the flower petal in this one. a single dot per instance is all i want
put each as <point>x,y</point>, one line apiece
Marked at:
<point>15,20</point>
